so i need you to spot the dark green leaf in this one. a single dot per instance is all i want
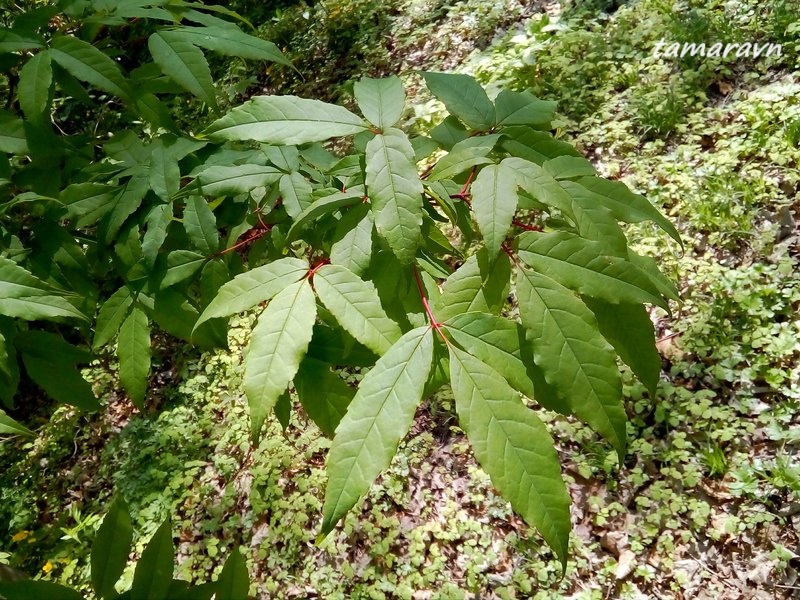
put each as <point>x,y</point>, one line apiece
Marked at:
<point>111,548</point>
<point>477,286</point>
<point>324,395</point>
<point>133,350</point>
<point>523,108</point>
<point>24,296</point>
<point>234,581</point>
<point>377,419</point>
<point>85,62</point>
<point>184,63</point>
<point>201,225</point>
<point>463,97</point>
<point>35,80</point>
<point>153,575</point>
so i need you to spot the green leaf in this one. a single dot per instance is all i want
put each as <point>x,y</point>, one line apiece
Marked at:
<point>285,120</point>
<point>594,221</point>
<point>540,184</point>
<point>165,174</point>
<point>523,108</point>
<point>324,395</point>
<point>296,193</point>
<point>185,64</point>
<point>35,81</point>
<point>52,363</point>
<point>513,446</point>
<point>573,355</point>
<point>111,548</point>
<point>36,590</point>
<point>649,266</point>
<point>277,345</point>
<point>395,190</point>
<point>587,267</point>
<point>159,218</point>
<point>627,206</point>
<point>630,331</point>
<point>534,146</point>
<point>463,97</point>
<point>283,409</point>
<point>569,167</point>
<point>85,62</point>
<point>153,575</point>
<point>231,42</point>
<point>86,203</point>
<point>381,100</point>
<point>357,307</point>
<point>495,341</point>
<point>352,245</point>
<point>234,581</point>
<point>463,156</point>
<point>240,179</point>
<point>182,264</point>
<point>201,225</point>
<point>9,367</point>
<point>477,286</point>
<point>11,41</point>
<point>323,206</point>
<point>494,202</point>
<point>252,287</point>
<point>377,419</point>
<point>111,316</point>
<point>12,135</point>
<point>9,426</point>
<point>24,296</point>
<point>133,350</point>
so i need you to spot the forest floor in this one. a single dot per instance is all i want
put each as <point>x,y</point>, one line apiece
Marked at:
<point>707,502</point>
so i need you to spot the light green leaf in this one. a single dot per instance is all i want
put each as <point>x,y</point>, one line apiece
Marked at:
<point>324,395</point>
<point>381,100</point>
<point>201,225</point>
<point>185,64</point>
<point>627,206</point>
<point>234,581</point>
<point>357,307</point>
<point>85,62</point>
<point>9,426</point>
<point>463,156</point>
<point>231,41</point>
<point>111,316</point>
<point>252,287</point>
<point>477,286</point>
<point>569,167</point>
<point>24,296</point>
<point>296,193</point>
<point>133,351</point>
<point>463,97</point>
<point>649,266</point>
<point>153,575</point>
<point>285,120</point>
<point>587,267</point>
<point>629,329</point>
<point>573,355</point>
<point>513,446</point>
<point>377,419</point>
<point>523,108</point>
<point>165,174</point>
<point>352,245</point>
<point>395,189</point>
<point>494,202</point>
<point>159,218</point>
<point>277,345</point>
<point>239,179</point>
<point>324,206</point>
<point>35,81</point>
<point>110,549</point>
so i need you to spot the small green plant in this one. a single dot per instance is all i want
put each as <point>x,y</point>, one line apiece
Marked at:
<point>153,575</point>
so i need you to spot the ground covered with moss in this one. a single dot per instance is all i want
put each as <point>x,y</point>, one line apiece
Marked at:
<point>707,502</point>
